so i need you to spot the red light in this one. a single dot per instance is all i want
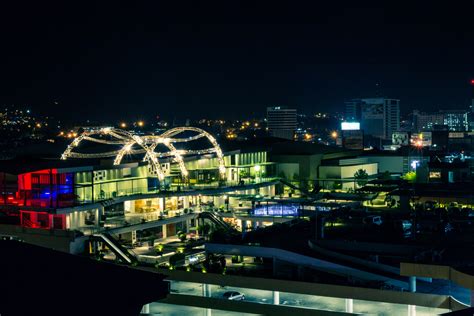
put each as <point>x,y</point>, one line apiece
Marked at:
<point>472,82</point>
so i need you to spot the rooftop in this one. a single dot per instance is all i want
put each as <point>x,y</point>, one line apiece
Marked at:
<point>279,146</point>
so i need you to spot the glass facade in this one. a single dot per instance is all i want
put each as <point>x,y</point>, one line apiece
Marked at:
<point>99,185</point>
<point>46,188</point>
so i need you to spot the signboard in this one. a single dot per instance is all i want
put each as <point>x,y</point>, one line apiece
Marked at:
<point>456,135</point>
<point>400,138</point>
<point>350,126</point>
<point>422,139</point>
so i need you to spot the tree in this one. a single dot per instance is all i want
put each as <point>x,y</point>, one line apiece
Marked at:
<point>410,176</point>
<point>182,237</point>
<point>159,248</point>
<point>361,176</point>
<point>243,173</point>
<point>337,185</point>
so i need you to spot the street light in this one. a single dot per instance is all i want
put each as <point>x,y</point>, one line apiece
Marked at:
<point>257,169</point>
<point>334,134</point>
<point>140,123</point>
<point>123,125</point>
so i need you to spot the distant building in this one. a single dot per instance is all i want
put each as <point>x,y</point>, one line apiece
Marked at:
<point>426,121</point>
<point>353,139</point>
<point>281,121</point>
<point>471,112</point>
<point>342,171</point>
<point>472,96</point>
<point>379,117</point>
<point>454,120</point>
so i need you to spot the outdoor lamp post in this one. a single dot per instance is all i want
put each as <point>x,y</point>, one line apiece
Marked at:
<point>257,169</point>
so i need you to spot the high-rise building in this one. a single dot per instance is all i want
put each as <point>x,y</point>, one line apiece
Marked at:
<point>281,121</point>
<point>426,121</point>
<point>379,117</point>
<point>470,117</point>
<point>454,120</point>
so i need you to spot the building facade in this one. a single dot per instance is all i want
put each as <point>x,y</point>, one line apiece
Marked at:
<point>379,117</point>
<point>454,120</point>
<point>281,121</point>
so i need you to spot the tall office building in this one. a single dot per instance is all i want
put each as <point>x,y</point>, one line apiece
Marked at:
<point>281,121</point>
<point>471,112</point>
<point>426,121</point>
<point>472,95</point>
<point>379,117</point>
<point>454,120</point>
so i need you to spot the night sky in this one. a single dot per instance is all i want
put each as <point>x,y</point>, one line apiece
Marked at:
<point>230,58</point>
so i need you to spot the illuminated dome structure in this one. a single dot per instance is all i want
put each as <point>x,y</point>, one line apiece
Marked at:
<point>147,145</point>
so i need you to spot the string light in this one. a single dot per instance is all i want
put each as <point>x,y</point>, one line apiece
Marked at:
<point>148,144</point>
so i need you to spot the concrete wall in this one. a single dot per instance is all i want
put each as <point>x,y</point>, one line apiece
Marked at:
<point>288,170</point>
<point>437,272</point>
<point>346,172</point>
<point>329,290</point>
<point>308,164</point>
<point>392,164</point>
<point>55,238</point>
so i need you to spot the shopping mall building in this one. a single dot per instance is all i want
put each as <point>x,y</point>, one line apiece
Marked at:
<point>63,197</point>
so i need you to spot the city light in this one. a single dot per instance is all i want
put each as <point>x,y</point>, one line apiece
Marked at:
<point>350,126</point>
<point>123,125</point>
<point>414,164</point>
<point>334,134</point>
<point>140,123</point>
<point>148,144</point>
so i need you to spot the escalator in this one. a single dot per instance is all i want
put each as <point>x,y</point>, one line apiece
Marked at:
<point>119,250</point>
<point>216,220</point>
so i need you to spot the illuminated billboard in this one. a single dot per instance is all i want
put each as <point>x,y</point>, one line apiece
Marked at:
<point>350,126</point>
<point>400,138</point>
<point>456,135</point>
<point>422,139</point>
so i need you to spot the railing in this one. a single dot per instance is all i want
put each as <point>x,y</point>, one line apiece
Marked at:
<point>173,188</point>
<point>117,248</point>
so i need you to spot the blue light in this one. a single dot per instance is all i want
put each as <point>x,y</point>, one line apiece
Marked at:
<point>276,210</point>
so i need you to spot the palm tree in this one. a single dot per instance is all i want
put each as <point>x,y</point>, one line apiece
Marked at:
<point>361,176</point>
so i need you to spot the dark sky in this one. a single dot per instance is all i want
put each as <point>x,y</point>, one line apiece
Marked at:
<point>231,58</point>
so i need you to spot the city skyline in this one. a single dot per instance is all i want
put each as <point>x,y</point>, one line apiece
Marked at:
<point>234,157</point>
<point>234,60</point>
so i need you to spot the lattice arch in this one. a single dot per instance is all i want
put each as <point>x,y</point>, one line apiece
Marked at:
<point>148,145</point>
